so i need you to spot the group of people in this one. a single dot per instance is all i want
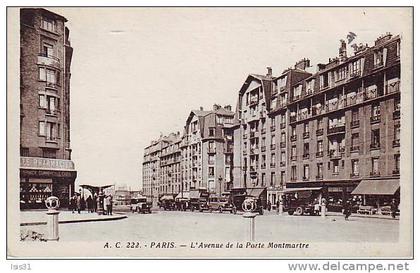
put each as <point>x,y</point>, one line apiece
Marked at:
<point>79,203</point>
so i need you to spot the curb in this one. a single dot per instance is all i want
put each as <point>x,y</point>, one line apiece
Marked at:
<point>77,221</point>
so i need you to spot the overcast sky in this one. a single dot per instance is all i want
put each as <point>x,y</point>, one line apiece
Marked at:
<point>137,72</point>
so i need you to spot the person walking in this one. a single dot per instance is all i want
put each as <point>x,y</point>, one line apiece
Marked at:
<point>89,204</point>
<point>347,210</point>
<point>95,202</point>
<point>110,201</point>
<point>269,205</point>
<point>394,208</point>
<point>73,203</point>
<point>106,204</point>
<point>78,203</point>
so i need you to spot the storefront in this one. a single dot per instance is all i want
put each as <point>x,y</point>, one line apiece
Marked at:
<point>378,193</point>
<point>43,177</point>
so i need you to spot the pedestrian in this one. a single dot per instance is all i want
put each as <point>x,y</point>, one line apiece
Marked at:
<point>73,203</point>
<point>269,205</point>
<point>347,210</point>
<point>105,204</point>
<point>278,206</point>
<point>95,202</point>
<point>89,204</point>
<point>78,203</point>
<point>110,201</point>
<point>394,208</point>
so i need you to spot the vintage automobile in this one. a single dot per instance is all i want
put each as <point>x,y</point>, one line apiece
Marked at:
<point>198,199</point>
<point>167,202</point>
<point>259,195</point>
<point>140,205</point>
<point>220,204</point>
<point>299,201</point>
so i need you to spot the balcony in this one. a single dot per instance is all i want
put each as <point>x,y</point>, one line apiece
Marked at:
<point>396,114</point>
<point>263,148</point>
<point>253,100</point>
<point>375,173</point>
<point>253,151</point>
<point>319,177</point>
<point>272,165</point>
<point>306,135</point>
<point>355,74</point>
<point>378,64</point>
<point>355,123</point>
<point>263,166</point>
<point>273,146</point>
<point>245,136</point>
<point>274,91</point>
<point>282,164</point>
<point>282,125</point>
<point>292,118</point>
<point>244,152</point>
<point>354,175</point>
<point>392,88</point>
<point>252,169</point>
<point>338,129</point>
<point>375,119</point>
<point>273,128</point>
<point>396,143</point>
<point>293,158</point>
<point>211,151</point>
<point>319,132</point>
<point>375,146</point>
<point>354,149</point>
<point>334,154</point>
<point>305,178</point>
<point>45,59</point>
<point>282,144</point>
<point>319,154</point>
<point>263,130</point>
<point>244,168</point>
<point>305,156</point>
<point>293,137</point>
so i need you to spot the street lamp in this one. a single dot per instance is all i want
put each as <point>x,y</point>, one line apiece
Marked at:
<point>220,185</point>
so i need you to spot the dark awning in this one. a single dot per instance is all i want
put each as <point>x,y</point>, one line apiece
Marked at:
<point>195,194</point>
<point>377,187</point>
<point>256,192</point>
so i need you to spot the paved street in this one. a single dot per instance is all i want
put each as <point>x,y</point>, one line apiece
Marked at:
<point>188,226</point>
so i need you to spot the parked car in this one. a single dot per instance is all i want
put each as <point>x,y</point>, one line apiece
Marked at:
<point>140,205</point>
<point>220,204</point>
<point>301,201</point>
<point>238,196</point>
<point>198,199</point>
<point>167,202</point>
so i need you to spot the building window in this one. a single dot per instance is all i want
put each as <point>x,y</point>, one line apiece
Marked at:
<point>398,49</point>
<point>355,167</point>
<point>42,101</point>
<point>211,132</point>
<point>282,158</point>
<point>397,163</point>
<point>24,151</point>
<point>397,104</point>
<point>212,147</point>
<point>324,83</point>
<point>341,73</point>
<point>294,173</point>
<point>320,146</point>
<point>48,75</point>
<point>282,177</point>
<point>376,110</point>
<point>375,139</point>
<point>283,137</point>
<point>355,140</point>
<point>211,159</point>
<point>293,151</point>
<point>305,172</point>
<point>282,82</point>
<point>47,50</point>
<point>319,170</point>
<point>355,115</point>
<point>293,130</point>
<point>273,179</point>
<point>319,124</point>
<point>378,58</point>
<point>211,171</point>
<point>262,179</point>
<point>335,167</point>
<point>41,128</point>
<point>397,132</point>
<point>355,68</point>
<point>273,160</point>
<point>48,24</point>
<point>306,150</point>
<point>375,166</point>
<point>306,128</point>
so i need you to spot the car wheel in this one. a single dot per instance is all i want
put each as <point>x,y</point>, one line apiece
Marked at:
<point>220,210</point>
<point>290,212</point>
<point>299,211</point>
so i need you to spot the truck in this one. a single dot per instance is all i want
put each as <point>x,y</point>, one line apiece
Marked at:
<point>300,201</point>
<point>140,204</point>
<point>199,199</point>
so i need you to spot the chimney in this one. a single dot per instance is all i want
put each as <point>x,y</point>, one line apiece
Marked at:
<point>269,71</point>
<point>228,107</point>
<point>303,64</point>
<point>342,52</point>
<point>201,108</point>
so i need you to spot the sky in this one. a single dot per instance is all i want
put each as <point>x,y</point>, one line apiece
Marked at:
<point>137,72</point>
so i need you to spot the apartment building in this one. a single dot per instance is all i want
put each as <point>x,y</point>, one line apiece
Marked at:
<point>345,123</point>
<point>151,172</point>
<point>46,167</point>
<point>207,149</point>
<point>170,165</point>
<point>337,128</point>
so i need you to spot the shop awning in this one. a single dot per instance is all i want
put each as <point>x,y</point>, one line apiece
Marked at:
<point>167,197</point>
<point>184,195</point>
<point>377,187</point>
<point>256,192</point>
<point>195,195</point>
<point>302,189</point>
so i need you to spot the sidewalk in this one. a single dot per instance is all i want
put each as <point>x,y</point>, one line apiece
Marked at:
<point>339,214</point>
<point>39,217</point>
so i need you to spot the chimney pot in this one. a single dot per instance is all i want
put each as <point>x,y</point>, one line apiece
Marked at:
<point>269,71</point>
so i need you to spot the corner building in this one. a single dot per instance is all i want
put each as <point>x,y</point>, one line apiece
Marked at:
<point>45,155</point>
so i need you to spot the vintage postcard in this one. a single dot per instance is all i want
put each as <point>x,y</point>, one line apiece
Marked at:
<point>220,133</point>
